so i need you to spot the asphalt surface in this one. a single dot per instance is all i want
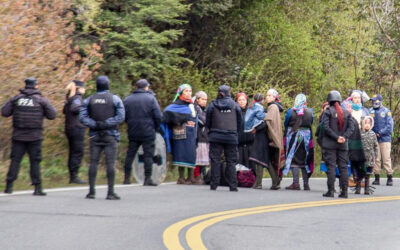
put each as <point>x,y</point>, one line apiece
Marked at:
<point>65,220</point>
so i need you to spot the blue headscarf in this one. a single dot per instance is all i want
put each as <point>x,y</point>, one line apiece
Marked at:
<point>300,103</point>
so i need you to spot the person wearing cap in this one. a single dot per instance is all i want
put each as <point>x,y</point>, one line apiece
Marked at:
<point>383,129</point>
<point>338,126</point>
<point>143,116</point>
<point>102,112</point>
<point>224,121</point>
<point>28,110</point>
<point>74,129</point>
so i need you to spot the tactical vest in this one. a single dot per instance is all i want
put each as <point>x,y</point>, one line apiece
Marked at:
<point>306,119</point>
<point>101,107</point>
<point>28,113</point>
<point>225,119</point>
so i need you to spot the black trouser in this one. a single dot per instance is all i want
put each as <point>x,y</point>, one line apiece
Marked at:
<point>231,155</point>
<point>148,153</point>
<point>333,158</point>
<point>18,149</point>
<point>76,138</point>
<point>107,143</point>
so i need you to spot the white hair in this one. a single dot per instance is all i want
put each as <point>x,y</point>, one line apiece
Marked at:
<point>200,94</point>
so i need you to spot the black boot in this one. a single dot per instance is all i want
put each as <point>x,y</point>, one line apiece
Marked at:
<point>366,185</point>
<point>8,189</point>
<point>376,181</point>
<point>358,186</point>
<point>329,194</point>
<point>92,193</point>
<point>389,180</point>
<point>343,192</point>
<point>112,196</point>
<point>127,180</point>
<point>77,180</point>
<point>148,182</point>
<point>38,190</point>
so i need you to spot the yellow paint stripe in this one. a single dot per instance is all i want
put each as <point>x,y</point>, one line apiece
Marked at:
<point>193,235</point>
<point>171,234</point>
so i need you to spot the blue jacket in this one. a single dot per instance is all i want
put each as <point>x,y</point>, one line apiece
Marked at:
<point>112,121</point>
<point>254,117</point>
<point>143,115</point>
<point>383,123</point>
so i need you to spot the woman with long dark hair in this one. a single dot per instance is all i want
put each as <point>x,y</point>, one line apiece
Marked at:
<point>338,126</point>
<point>245,138</point>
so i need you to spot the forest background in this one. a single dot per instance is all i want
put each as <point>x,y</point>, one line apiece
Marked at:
<point>295,46</point>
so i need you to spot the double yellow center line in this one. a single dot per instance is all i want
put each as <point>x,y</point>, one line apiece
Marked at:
<point>201,222</point>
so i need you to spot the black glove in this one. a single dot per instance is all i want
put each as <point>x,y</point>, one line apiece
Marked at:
<point>101,125</point>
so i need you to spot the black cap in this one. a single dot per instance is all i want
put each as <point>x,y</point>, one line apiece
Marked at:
<point>30,82</point>
<point>142,83</point>
<point>79,83</point>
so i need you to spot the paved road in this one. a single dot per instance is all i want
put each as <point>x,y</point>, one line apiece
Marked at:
<point>65,220</point>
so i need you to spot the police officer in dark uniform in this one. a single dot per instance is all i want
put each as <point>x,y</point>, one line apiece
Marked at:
<point>224,121</point>
<point>74,129</point>
<point>143,116</point>
<point>102,112</point>
<point>28,110</point>
<point>338,127</point>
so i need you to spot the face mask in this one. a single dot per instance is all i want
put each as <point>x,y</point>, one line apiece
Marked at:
<point>376,104</point>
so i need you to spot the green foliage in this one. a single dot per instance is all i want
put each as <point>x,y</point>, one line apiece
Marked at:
<point>138,38</point>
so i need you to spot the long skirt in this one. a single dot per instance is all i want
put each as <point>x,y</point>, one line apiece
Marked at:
<point>259,150</point>
<point>202,158</point>
<point>184,150</point>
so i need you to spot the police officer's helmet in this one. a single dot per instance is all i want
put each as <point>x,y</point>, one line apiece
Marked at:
<point>334,96</point>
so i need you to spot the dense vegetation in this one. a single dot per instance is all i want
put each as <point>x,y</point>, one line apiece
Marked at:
<point>294,46</point>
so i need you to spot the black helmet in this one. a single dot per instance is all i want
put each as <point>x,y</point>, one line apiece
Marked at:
<point>334,96</point>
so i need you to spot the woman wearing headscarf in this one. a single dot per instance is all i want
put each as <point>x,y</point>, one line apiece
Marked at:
<point>181,118</point>
<point>338,126</point>
<point>245,138</point>
<point>202,158</point>
<point>273,121</point>
<point>354,106</point>
<point>74,129</point>
<point>299,144</point>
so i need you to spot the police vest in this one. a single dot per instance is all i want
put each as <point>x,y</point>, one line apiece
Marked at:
<point>101,107</point>
<point>28,113</point>
<point>224,119</point>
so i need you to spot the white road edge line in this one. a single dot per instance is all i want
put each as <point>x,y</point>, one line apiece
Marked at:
<point>53,190</point>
